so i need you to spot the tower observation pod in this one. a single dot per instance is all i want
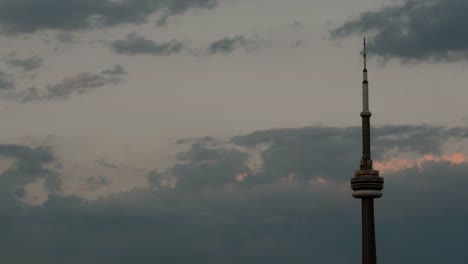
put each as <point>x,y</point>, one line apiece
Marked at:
<point>366,184</point>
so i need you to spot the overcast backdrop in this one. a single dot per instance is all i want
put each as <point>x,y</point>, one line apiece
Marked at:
<point>226,131</point>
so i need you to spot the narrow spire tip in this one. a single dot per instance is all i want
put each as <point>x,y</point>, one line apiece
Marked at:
<point>364,54</point>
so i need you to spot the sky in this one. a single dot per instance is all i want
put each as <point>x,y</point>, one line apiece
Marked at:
<point>226,131</point>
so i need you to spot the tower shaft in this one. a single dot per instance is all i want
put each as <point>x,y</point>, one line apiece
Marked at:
<point>368,232</point>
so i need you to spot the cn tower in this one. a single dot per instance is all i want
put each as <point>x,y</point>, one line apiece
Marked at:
<point>366,183</point>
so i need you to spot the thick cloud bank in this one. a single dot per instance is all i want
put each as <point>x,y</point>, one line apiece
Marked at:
<point>415,30</point>
<point>26,16</point>
<point>274,196</point>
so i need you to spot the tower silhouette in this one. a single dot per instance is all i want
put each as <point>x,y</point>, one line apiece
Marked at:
<point>366,183</point>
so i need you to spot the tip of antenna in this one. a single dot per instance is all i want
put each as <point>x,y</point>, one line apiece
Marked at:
<point>364,54</point>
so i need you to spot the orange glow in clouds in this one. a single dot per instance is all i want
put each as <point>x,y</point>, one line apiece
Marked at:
<point>396,165</point>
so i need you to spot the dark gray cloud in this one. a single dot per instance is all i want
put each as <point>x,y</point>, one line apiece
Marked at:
<point>116,70</point>
<point>272,222</point>
<point>205,220</point>
<point>78,84</point>
<point>154,177</point>
<point>29,166</point>
<point>414,30</point>
<point>312,153</point>
<point>296,24</point>
<point>204,140</point>
<point>104,163</point>
<point>268,225</point>
<point>309,150</point>
<point>297,44</point>
<point>64,37</point>
<point>134,44</point>
<point>210,163</point>
<point>6,81</point>
<point>97,181</point>
<point>205,166</point>
<point>229,44</point>
<point>27,64</point>
<point>161,180</point>
<point>16,15</point>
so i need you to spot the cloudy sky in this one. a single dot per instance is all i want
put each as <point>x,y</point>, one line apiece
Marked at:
<point>226,131</point>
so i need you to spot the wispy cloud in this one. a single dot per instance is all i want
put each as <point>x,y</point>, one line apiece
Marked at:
<point>27,64</point>
<point>97,181</point>
<point>77,84</point>
<point>228,45</point>
<point>104,163</point>
<point>134,44</point>
<point>6,81</point>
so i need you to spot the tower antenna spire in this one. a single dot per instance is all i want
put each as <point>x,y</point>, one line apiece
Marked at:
<point>366,183</point>
<point>366,162</point>
<point>365,54</point>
